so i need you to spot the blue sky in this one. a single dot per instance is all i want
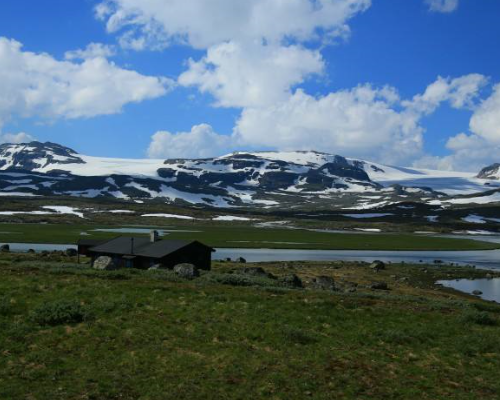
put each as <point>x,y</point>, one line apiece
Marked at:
<point>348,93</point>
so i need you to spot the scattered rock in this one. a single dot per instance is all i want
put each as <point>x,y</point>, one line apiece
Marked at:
<point>71,252</point>
<point>405,280</point>
<point>241,260</point>
<point>324,283</point>
<point>104,263</point>
<point>379,286</point>
<point>292,281</point>
<point>154,267</point>
<point>31,251</point>
<point>477,293</point>
<point>187,271</point>
<point>255,271</point>
<point>5,248</point>
<point>377,265</point>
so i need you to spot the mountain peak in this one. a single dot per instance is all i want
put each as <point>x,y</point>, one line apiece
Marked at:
<point>36,155</point>
<point>491,172</point>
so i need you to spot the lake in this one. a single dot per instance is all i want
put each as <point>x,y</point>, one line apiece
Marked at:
<point>489,287</point>
<point>488,259</point>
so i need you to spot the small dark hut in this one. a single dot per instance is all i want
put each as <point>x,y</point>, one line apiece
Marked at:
<point>143,253</point>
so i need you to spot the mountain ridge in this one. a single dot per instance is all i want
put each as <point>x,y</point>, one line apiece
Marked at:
<point>240,179</point>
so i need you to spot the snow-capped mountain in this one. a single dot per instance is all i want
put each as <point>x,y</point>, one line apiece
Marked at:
<point>258,179</point>
<point>491,172</point>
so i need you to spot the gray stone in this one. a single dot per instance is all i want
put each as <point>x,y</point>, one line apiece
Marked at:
<point>155,267</point>
<point>324,283</point>
<point>256,271</point>
<point>71,252</point>
<point>5,248</point>
<point>477,293</point>
<point>379,286</point>
<point>104,263</point>
<point>241,260</point>
<point>292,281</point>
<point>186,271</point>
<point>377,265</point>
<point>31,251</point>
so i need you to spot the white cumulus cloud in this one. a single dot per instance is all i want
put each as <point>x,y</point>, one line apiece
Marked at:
<point>38,85</point>
<point>358,122</point>
<point>256,75</point>
<point>93,50</point>
<point>202,23</point>
<point>200,142</point>
<point>442,6</point>
<point>21,137</point>
<point>459,92</point>
<point>486,120</point>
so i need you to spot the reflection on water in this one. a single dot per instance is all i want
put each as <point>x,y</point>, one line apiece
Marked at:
<point>489,287</point>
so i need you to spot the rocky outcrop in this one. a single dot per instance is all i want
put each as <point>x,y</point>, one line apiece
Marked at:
<point>324,283</point>
<point>186,271</point>
<point>104,263</point>
<point>35,155</point>
<point>491,172</point>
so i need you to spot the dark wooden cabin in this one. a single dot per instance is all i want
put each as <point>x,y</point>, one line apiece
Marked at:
<point>143,253</point>
<point>84,245</point>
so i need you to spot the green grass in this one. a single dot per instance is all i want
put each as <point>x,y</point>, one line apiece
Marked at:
<point>71,333</point>
<point>249,237</point>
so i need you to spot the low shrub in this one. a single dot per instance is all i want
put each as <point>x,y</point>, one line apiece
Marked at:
<point>489,307</point>
<point>240,280</point>
<point>298,336</point>
<point>5,305</point>
<point>60,313</point>
<point>477,317</point>
<point>165,275</point>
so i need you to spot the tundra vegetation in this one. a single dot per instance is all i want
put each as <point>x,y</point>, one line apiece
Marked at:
<point>243,331</point>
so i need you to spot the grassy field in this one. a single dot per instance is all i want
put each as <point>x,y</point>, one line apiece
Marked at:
<point>71,333</point>
<point>246,237</point>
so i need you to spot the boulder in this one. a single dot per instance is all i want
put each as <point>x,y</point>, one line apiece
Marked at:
<point>377,265</point>
<point>31,251</point>
<point>5,248</point>
<point>477,293</point>
<point>154,267</point>
<point>379,286</point>
<point>324,283</point>
<point>256,271</point>
<point>71,252</point>
<point>241,260</point>
<point>186,271</point>
<point>104,263</point>
<point>292,281</point>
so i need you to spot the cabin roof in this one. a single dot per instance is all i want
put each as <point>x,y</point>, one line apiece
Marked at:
<point>91,242</point>
<point>141,246</point>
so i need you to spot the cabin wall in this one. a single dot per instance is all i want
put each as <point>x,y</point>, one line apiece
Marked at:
<point>198,255</point>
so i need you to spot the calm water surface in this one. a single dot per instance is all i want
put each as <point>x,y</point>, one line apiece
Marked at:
<point>489,287</point>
